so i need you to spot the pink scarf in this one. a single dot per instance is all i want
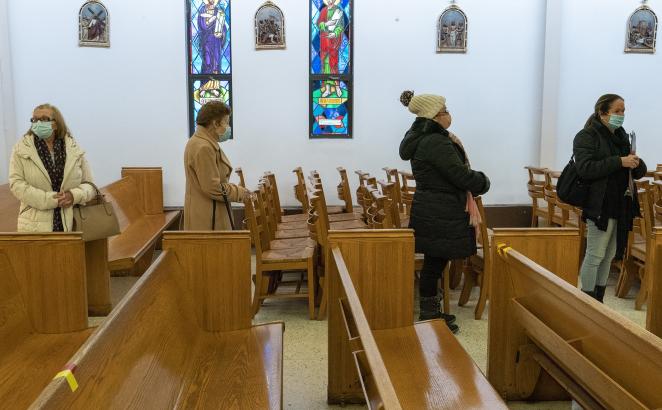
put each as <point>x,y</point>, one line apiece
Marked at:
<point>472,209</point>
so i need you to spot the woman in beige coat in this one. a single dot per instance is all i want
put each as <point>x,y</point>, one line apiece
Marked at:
<point>208,171</point>
<point>46,174</point>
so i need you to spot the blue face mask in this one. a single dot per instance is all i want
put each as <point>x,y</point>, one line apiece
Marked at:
<point>616,121</point>
<point>42,129</point>
<point>226,135</point>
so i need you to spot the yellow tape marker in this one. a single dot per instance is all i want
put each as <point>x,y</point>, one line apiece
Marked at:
<point>71,379</point>
<point>503,249</point>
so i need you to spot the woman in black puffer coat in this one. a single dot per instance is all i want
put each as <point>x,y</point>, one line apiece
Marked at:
<point>439,215</point>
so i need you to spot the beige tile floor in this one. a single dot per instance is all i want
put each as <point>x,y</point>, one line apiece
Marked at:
<point>305,356</point>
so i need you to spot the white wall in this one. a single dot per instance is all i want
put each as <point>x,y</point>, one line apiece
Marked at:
<point>7,129</point>
<point>593,63</point>
<point>127,104</point>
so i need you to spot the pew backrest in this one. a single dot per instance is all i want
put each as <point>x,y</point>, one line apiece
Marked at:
<point>9,209</point>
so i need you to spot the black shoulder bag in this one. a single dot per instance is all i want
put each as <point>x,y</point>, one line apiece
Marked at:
<point>570,188</point>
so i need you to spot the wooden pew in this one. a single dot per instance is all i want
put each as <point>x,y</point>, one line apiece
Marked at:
<point>550,341</point>
<point>654,276</point>
<point>377,353</point>
<point>96,253</point>
<point>138,202</point>
<point>182,337</point>
<point>43,311</point>
<point>9,207</point>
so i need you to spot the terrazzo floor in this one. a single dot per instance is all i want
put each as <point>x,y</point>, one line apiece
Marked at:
<point>305,350</point>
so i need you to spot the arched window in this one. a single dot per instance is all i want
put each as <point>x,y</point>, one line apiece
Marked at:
<point>209,54</point>
<point>331,68</point>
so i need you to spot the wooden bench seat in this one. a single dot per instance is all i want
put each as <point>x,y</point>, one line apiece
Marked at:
<point>182,337</point>
<point>138,202</point>
<point>654,310</point>
<point>43,311</point>
<point>376,351</point>
<point>550,341</point>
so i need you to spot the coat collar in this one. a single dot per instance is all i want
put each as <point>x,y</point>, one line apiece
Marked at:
<point>27,150</point>
<point>206,136</point>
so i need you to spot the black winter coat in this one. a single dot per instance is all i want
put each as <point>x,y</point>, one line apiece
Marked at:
<point>595,162</point>
<point>439,217</point>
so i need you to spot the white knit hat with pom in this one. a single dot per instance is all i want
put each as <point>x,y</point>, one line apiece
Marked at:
<point>424,105</point>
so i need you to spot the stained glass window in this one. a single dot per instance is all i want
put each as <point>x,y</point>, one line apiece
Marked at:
<point>331,70</point>
<point>209,54</point>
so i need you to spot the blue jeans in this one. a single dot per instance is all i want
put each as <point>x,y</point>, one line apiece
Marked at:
<point>600,251</point>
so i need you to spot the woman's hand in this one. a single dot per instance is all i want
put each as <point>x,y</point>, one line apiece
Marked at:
<point>64,199</point>
<point>631,161</point>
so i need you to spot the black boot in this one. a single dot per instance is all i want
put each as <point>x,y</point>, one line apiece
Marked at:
<point>600,293</point>
<point>590,293</point>
<point>430,308</point>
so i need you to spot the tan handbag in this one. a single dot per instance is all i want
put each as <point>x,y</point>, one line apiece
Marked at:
<point>96,219</point>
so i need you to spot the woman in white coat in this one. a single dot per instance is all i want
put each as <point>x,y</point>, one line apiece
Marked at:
<point>46,174</point>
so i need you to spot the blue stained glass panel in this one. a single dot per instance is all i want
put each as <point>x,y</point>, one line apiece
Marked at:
<point>205,91</point>
<point>330,34</point>
<point>209,26</point>
<point>330,108</point>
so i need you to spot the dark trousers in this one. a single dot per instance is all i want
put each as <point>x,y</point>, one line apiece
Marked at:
<point>433,269</point>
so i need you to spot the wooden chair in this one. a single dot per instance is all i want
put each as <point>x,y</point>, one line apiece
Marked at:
<point>393,176</point>
<point>550,341</point>
<point>240,174</point>
<point>301,191</point>
<point>344,190</point>
<point>555,215</point>
<point>278,231</point>
<point>43,311</point>
<point>392,191</point>
<point>536,189</point>
<point>376,351</point>
<point>636,254</point>
<point>272,189</point>
<point>283,259</point>
<point>182,337</point>
<point>478,268</point>
<point>138,202</point>
<point>408,188</point>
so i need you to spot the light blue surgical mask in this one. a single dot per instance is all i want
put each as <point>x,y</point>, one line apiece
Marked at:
<point>226,135</point>
<point>616,121</point>
<point>42,129</point>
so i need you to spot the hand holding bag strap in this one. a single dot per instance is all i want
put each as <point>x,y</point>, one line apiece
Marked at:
<point>98,195</point>
<point>227,205</point>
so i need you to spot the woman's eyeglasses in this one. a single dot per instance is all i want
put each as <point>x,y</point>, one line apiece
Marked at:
<point>45,119</point>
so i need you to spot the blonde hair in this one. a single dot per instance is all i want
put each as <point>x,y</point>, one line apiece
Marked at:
<point>62,129</point>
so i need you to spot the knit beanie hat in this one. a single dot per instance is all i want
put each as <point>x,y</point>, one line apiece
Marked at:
<point>424,105</point>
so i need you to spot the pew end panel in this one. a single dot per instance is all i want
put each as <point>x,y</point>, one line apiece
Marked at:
<point>217,270</point>
<point>537,320</point>
<point>154,341</point>
<point>149,181</point>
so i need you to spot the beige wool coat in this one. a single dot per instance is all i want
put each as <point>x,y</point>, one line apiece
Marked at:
<point>31,185</point>
<point>208,172</point>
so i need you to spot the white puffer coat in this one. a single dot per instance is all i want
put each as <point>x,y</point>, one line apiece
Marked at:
<point>30,184</point>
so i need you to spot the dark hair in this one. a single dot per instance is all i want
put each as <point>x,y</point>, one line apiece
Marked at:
<point>405,97</point>
<point>213,110</point>
<point>602,106</point>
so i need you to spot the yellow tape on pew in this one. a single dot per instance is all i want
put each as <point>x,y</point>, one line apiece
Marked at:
<point>68,374</point>
<point>503,249</point>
